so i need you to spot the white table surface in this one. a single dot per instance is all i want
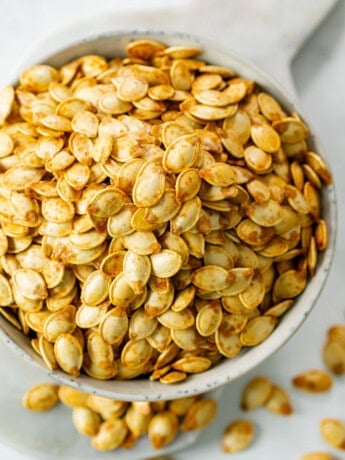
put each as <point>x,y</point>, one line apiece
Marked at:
<point>318,72</point>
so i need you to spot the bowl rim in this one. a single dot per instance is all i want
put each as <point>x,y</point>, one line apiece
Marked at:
<point>257,354</point>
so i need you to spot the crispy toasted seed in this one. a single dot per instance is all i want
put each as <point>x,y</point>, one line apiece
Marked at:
<point>142,243</point>
<point>192,365</point>
<point>200,414</point>
<point>137,270</point>
<point>181,153</point>
<point>290,130</point>
<point>111,435</point>
<point>211,278</point>
<point>279,402</point>
<point>257,330</point>
<point>265,137</point>
<point>333,432</point>
<point>144,49</point>
<point>333,355</point>
<point>31,284</point>
<point>256,393</point>
<point>165,263</point>
<point>41,397</point>
<point>218,174</point>
<point>177,320</point>
<point>97,372</point>
<point>183,299</point>
<point>289,284</point>
<point>318,165</point>
<point>173,377</point>
<point>68,354</point>
<point>136,353</point>
<point>269,107</point>
<point>149,185</point>
<point>188,184</point>
<point>38,78</point>
<point>105,407</point>
<point>162,429</point>
<point>72,397</point>
<point>321,236</point>
<point>86,421</point>
<point>237,436</point>
<point>313,381</point>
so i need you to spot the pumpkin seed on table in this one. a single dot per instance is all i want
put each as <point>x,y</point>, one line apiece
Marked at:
<point>176,191</point>
<point>41,397</point>
<point>237,436</point>
<point>279,402</point>
<point>313,381</point>
<point>256,393</point>
<point>333,432</point>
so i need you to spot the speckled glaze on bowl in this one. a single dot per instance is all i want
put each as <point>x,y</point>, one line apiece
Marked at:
<point>59,49</point>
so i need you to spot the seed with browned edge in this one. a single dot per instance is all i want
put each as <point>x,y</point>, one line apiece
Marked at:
<point>237,436</point>
<point>256,393</point>
<point>41,397</point>
<point>279,402</point>
<point>333,432</point>
<point>313,381</point>
<point>110,435</point>
<point>162,429</point>
<point>200,414</point>
<point>86,421</point>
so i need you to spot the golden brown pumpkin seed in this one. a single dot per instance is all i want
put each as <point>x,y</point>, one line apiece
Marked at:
<point>110,436</point>
<point>188,184</point>
<point>72,397</point>
<point>200,414</point>
<point>165,263</point>
<point>86,421</point>
<point>313,381</point>
<point>181,153</point>
<point>289,284</point>
<point>192,365</point>
<point>142,243</point>
<point>211,278</point>
<point>256,393</point>
<point>257,330</point>
<point>237,436</point>
<point>333,432</point>
<point>290,130</point>
<point>162,429</point>
<point>177,320</point>
<point>279,402</point>
<point>31,284</point>
<point>333,355</point>
<point>41,397</point>
<point>68,354</point>
<point>95,289</point>
<point>136,353</point>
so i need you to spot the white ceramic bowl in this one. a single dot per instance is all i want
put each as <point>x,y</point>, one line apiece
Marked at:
<point>113,44</point>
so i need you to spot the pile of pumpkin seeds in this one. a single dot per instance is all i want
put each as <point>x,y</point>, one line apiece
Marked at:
<point>112,424</point>
<point>157,213</point>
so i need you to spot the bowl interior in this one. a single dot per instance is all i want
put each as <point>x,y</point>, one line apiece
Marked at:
<point>111,45</point>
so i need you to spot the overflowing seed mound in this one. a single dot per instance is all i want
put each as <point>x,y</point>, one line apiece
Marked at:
<point>157,213</point>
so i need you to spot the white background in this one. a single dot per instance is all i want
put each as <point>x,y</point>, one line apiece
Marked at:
<point>318,72</point>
